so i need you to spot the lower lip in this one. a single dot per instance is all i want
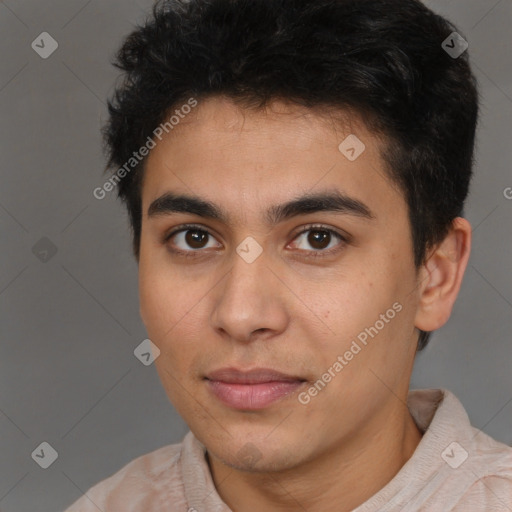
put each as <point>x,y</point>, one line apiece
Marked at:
<point>252,396</point>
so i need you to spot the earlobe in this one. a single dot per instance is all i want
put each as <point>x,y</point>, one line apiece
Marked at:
<point>440,278</point>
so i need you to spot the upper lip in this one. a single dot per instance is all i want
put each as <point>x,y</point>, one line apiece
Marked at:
<point>253,376</point>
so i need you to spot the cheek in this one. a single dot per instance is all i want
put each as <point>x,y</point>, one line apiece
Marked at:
<point>170,308</point>
<point>358,302</point>
<point>161,291</point>
<point>352,302</point>
<point>154,303</point>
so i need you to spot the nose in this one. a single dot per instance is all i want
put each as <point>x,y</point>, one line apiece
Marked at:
<point>250,301</point>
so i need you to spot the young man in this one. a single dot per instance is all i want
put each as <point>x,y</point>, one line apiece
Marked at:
<point>295,173</point>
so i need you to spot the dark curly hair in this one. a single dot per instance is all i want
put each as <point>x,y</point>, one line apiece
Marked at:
<point>380,58</point>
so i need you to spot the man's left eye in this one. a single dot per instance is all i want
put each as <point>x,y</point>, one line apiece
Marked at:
<point>319,238</point>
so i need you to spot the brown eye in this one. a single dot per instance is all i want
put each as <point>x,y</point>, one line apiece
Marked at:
<point>189,239</point>
<point>319,240</point>
<point>195,238</point>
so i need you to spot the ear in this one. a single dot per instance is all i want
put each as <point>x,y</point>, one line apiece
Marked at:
<point>440,277</point>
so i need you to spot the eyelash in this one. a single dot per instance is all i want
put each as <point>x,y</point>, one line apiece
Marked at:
<point>320,253</point>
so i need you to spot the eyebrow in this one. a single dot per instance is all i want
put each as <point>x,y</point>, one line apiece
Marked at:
<point>331,201</point>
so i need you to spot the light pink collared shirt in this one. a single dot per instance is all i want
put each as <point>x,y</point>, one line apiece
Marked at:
<point>455,468</point>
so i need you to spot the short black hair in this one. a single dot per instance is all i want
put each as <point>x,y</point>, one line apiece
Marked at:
<point>382,59</point>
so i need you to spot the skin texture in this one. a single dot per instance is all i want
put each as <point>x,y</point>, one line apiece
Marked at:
<point>286,311</point>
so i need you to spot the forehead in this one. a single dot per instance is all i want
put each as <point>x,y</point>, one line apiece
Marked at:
<point>244,158</point>
<point>220,118</point>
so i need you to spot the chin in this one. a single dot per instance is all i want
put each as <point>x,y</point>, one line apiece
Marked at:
<point>257,456</point>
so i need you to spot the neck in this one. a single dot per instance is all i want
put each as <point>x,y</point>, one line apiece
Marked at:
<point>341,479</point>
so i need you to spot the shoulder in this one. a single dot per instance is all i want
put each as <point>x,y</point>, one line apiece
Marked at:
<point>491,471</point>
<point>492,493</point>
<point>143,482</point>
<point>466,468</point>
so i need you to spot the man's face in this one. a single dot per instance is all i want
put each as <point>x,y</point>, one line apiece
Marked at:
<point>286,310</point>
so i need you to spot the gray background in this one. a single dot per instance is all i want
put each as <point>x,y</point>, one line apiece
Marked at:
<point>69,325</point>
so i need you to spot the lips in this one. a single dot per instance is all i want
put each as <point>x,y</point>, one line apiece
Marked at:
<point>251,389</point>
<point>254,376</point>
